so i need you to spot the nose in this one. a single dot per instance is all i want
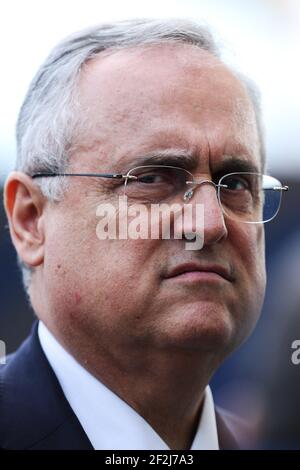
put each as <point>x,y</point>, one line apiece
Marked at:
<point>212,225</point>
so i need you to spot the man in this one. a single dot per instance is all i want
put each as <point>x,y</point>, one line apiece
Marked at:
<point>131,330</point>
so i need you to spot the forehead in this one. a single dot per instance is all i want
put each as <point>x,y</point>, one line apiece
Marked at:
<point>164,96</point>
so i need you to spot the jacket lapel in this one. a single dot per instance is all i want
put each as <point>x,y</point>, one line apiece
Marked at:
<point>34,411</point>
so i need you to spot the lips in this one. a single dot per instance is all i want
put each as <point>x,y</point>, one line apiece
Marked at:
<point>221,270</point>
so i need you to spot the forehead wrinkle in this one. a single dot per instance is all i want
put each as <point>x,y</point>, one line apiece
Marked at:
<point>129,121</point>
<point>190,160</point>
<point>147,71</point>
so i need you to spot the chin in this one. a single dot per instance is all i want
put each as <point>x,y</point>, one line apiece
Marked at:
<point>209,328</point>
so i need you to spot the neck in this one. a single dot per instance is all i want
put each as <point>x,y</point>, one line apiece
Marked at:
<point>165,387</point>
<point>169,397</point>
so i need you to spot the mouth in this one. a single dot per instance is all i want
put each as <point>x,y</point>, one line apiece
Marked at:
<point>198,272</point>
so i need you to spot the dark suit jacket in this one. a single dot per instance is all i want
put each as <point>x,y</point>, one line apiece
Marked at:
<point>34,413</point>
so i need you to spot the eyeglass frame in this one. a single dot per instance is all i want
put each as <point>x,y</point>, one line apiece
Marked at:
<point>187,195</point>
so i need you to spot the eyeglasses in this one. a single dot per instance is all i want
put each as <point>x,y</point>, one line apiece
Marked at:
<point>243,196</point>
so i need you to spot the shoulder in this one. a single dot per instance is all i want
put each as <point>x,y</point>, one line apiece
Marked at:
<point>27,384</point>
<point>34,411</point>
<point>15,398</point>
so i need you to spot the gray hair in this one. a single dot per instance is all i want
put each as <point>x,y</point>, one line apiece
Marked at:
<point>50,112</point>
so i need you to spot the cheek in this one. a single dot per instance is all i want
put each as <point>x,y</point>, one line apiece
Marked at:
<point>250,256</point>
<point>245,249</point>
<point>256,252</point>
<point>86,272</point>
<point>249,245</point>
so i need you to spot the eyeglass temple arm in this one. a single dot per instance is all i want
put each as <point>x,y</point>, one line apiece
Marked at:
<point>280,188</point>
<point>102,175</point>
<point>276,188</point>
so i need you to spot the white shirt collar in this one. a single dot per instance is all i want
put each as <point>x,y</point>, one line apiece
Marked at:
<point>109,422</point>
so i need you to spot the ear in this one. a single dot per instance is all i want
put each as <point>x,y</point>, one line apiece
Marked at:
<point>24,204</point>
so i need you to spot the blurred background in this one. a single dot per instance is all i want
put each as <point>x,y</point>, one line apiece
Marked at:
<point>262,37</point>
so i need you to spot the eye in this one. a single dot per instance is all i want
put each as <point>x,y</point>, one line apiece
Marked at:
<point>155,177</point>
<point>237,183</point>
<point>155,183</point>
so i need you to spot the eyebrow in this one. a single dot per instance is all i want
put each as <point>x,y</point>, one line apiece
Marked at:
<point>169,157</point>
<point>190,160</point>
<point>231,164</point>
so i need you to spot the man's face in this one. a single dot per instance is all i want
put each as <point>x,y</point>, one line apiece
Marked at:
<point>121,293</point>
